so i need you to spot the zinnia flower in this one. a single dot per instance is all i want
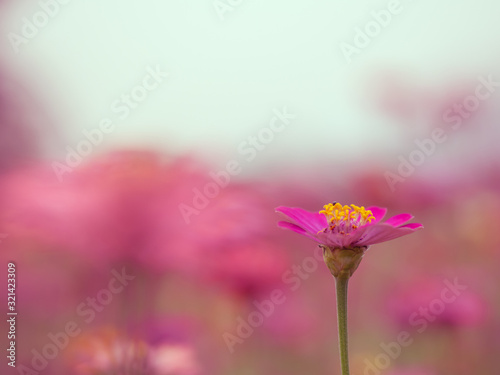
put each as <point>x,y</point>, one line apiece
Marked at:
<point>347,231</point>
<point>344,233</point>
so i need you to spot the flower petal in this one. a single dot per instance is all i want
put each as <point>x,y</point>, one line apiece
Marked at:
<point>378,212</point>
<point>412,226</point>
<point>396,234</point>
<point>357,234</point>
<point>382,232</point>
<point>333,240</point>
<point>313,222</point>
<point>399,220</point>
<point>296,229</point>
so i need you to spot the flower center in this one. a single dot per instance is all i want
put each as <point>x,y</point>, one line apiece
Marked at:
<point>344,219</point>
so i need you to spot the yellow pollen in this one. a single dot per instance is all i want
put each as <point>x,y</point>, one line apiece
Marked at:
<point>336,213</point>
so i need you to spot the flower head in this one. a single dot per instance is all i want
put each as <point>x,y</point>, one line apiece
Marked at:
<point>346,232</point>
<point>340,226</point>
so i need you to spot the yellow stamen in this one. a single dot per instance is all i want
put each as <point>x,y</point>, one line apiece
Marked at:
<point>336,213</point>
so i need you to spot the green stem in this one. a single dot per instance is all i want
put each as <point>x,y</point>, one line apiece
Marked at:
<point>341,282</point>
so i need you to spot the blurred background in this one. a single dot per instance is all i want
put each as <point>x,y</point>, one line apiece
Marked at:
<point>145,145</point>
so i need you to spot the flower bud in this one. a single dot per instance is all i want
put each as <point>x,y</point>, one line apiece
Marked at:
<point>343,261</point>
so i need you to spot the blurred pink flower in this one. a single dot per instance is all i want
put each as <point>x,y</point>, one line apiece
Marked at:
<point>124,208</point>
<point>67,216</point>
<point>230,242</point>
<point>435,301</point>
<point>249,268</point>
<point>295,324</point>
<point>105,211</point>
<point>398,95</point>
<point>449,108</point>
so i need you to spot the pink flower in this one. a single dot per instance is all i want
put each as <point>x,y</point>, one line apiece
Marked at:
<point>346,232</point>
<point>340,226</point>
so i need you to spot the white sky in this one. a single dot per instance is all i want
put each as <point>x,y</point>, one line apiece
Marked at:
<point>226,76</point>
